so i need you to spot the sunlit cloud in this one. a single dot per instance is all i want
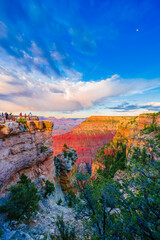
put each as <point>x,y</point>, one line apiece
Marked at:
<point>22,91</point>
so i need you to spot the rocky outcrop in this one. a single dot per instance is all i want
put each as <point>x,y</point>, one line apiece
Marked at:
<point>66,168</point>
<point>131,135</point>
<point>144,120</point>
<point>43,226</point>
<point>26,148</point>
<point>89,137</point>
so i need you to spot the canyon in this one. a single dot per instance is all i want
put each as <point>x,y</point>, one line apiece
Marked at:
<point>63,125</point>
<point>137,134</point>
<point>89,137</point>
<point>30,148</point>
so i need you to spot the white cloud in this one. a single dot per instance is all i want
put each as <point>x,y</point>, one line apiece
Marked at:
<point>151,104</point>
<point>25,93</point>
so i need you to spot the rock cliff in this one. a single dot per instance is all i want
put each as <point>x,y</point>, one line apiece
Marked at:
<point>140,132</point>
<point>88,137</point>
<point>66,168</point>
<point>26,148</point>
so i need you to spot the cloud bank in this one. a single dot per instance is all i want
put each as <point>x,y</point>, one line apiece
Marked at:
<point>126,107</point>
<point>20,92</point>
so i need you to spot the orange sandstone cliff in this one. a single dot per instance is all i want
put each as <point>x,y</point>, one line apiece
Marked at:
<point>131,135</point>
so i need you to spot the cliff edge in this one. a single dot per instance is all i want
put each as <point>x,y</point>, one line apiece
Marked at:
<point>132,135</point>
<point>26,148</point>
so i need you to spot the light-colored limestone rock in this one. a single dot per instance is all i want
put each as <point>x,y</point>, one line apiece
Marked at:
<point>21,151</point>
<point>66,167</point>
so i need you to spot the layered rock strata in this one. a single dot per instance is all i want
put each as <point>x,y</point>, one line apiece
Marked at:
<point>89,137</point>
<point>130,133</point>
<point>26,148</point>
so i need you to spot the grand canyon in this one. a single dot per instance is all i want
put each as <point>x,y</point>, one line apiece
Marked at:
<point>88,138</point>
<point>30,148</point>
<point>79,120</point>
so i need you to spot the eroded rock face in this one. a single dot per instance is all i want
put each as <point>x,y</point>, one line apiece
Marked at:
<point>26,149</point>
<point>130,134</point>
<point>88,138</point>
<point>144,121</point>
<point>66,167</point>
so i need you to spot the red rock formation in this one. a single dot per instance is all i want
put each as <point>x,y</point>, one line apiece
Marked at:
<point>88,137</point>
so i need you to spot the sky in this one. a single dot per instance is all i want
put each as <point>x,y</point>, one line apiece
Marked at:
<point>77,58</point>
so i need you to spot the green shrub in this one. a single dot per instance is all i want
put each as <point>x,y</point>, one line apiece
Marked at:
<point>24,180</point>
<point>71,199</point>
<point>150,142</point>
<point>1,233</point>
<point>65,154</point>
<point>112,162</point>
<point>151,128</point>
<point>23,200</point>
<point>44,149</point>
<point>143,157</point>
<point>125,211</point>
<point>59,202</point>
<point>157,137</point>
<point>67,232</point>
<point>152,114</point>
<point>70,154</point>
<point>65,146</point>
<point>140,156</point>
<point>21,120</point>
<point>49,188</point>
<point>136,153</point>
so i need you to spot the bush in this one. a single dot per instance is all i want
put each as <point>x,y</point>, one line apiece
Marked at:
<point>140,155</point>
<point>157,137</point>
<point>71,199</point>
<point>22,120</point>
<point>112,162</point>
<point>65,146</point>
<point>49,188</point>
<point>129,210</point>
<point>70,154</point>
<point>24,180</point>
<point>44,149</point>
<point>151,128</point>
<point>66,231</point>
<point>1,233</point>
<point>59,202</point>
<point>23,200</point>
<point>65,154</point>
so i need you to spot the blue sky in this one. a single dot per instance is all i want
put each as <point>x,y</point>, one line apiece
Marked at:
<point>79,58</point>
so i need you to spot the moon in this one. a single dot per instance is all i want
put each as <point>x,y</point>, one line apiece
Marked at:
<point>137,30</point>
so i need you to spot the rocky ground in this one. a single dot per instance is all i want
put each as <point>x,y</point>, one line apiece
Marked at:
<point>43,226</point>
